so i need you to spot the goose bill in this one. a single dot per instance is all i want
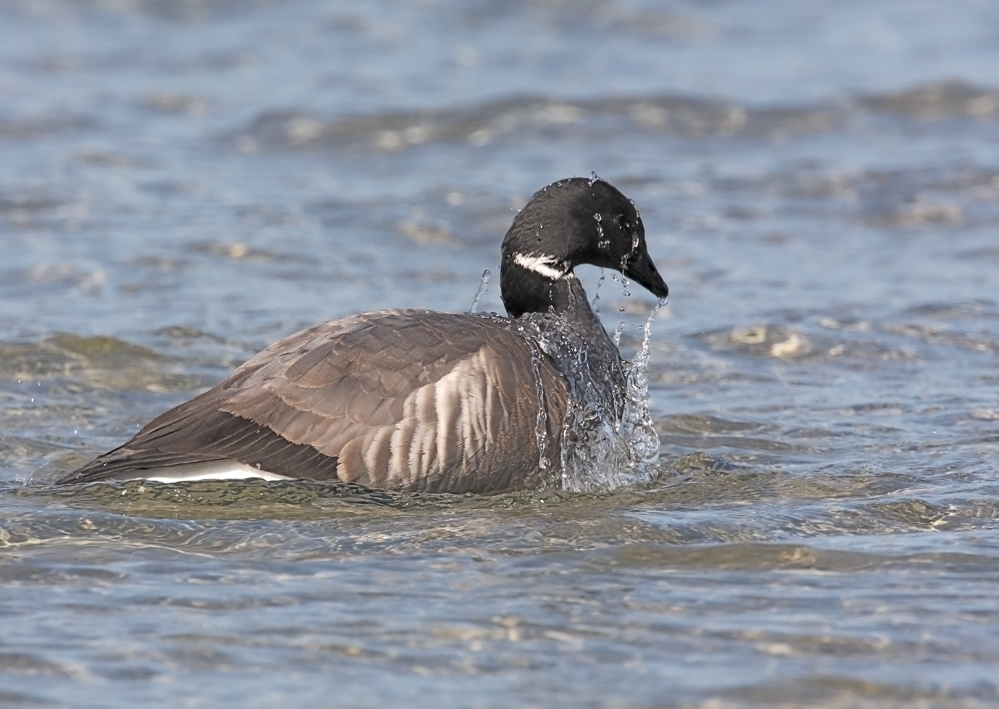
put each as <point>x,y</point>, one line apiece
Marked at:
<point>643,271</point>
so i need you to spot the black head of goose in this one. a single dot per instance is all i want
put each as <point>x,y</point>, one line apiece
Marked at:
<point>412,400</point>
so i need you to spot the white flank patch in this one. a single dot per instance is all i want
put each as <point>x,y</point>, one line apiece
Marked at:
<point>219,470</point>
<point>542,265</point>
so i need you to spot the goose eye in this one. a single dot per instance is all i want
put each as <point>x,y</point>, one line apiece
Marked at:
<point>623,222</point>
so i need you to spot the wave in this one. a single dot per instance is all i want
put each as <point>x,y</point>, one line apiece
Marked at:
<point>525,118</point>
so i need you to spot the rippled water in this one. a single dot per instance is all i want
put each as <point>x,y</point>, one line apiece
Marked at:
<point>182,183</point>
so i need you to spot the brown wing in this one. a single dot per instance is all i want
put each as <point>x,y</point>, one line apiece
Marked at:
<point>405,400</point>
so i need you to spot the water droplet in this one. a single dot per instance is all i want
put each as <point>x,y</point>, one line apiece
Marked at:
<point>483,287</point>
<point>618,331</point>
<point>594,178</point>
<point>598,216</point>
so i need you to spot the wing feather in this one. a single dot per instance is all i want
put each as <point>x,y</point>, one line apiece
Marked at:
<point>405,400</point>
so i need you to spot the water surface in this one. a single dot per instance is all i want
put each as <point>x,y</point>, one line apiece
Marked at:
<point>184,183</point>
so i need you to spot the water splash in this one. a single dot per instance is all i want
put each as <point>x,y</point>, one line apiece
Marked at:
<point>619,328</point>
<point>608,438</point>
<point>595,303</point>
<point>483,289</point>
<point>642,432</point>
<point>618,331</point>
<point>541,425</point>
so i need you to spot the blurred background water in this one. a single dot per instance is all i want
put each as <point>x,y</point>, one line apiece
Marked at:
<point>183,182</point>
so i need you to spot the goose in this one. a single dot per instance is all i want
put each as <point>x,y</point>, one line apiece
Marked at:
<point>415,400</point>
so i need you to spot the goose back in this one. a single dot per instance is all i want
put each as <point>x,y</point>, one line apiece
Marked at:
<point>399,399</point>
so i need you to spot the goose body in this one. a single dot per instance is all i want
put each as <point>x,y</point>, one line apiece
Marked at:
<point>415,400</point>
